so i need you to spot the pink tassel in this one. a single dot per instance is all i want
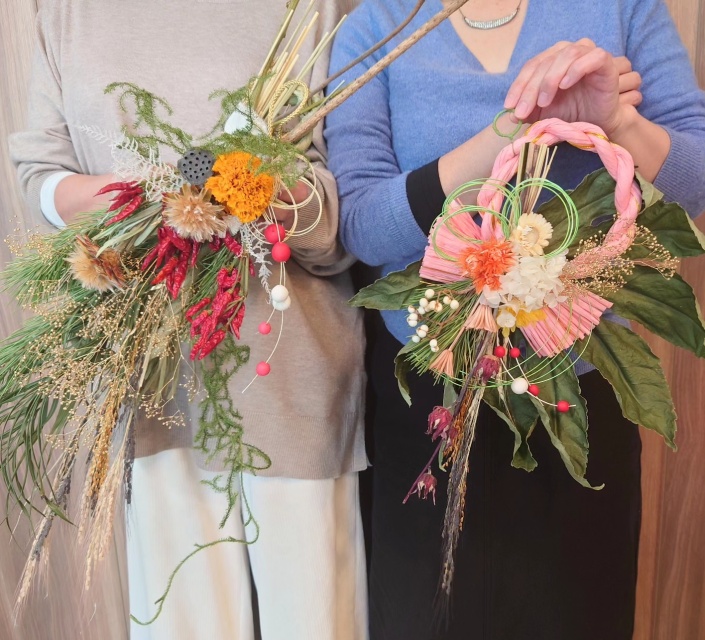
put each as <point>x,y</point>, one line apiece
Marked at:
<point>451,235</point>
<point>482,318</point>
<point>443,364</point>
<point>565,323</point>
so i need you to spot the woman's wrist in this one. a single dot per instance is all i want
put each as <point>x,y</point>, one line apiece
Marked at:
<point>648,143</point>
<point>77,194</point>
<point>474,159</point>
<point>625,122</point>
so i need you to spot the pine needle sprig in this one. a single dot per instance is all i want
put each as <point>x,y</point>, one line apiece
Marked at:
<point>444,326</point>
<point>146,108</point>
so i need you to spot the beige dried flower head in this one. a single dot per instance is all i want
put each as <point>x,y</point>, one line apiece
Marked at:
<point>193,216</point>
<point>532,234</point>
<point>97,272</point>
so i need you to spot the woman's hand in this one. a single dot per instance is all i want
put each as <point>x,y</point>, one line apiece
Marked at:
<point>77,194</point>
<point>298,193</point>
<point>576,82</point>
<point>579,82</point>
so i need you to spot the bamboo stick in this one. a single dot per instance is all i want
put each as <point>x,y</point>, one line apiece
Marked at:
<point>371,50</point>
<point>288,62</point>
<point>307,125</point>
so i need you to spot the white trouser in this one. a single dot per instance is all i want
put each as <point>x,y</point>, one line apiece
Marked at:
<point>308,564</point>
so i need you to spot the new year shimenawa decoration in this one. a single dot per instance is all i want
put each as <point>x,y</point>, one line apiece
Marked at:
<point>510,295</point>
<point>116,294</point>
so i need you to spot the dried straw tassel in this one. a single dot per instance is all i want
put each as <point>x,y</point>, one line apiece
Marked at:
<point>129,461</point>
<point>469,403</point>
<point>98,531</point>
<point>39,553</point>
<point>99,459</point>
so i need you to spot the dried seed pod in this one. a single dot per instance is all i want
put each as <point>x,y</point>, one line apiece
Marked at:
<point>196,166</point>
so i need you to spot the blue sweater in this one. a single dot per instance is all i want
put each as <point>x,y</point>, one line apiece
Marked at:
<point>437,96</point>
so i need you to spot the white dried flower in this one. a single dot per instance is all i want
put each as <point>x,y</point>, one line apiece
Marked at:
<point>531,234</point>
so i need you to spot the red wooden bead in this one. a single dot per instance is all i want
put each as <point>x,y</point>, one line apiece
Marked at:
<point>500,352</point>
<point>274,233</point>
<point>534,389</point>
<point>281,252</point>
<point>515,352</point>
<point>265,328</point>
<point>263,369</point>
<point>563,406</point>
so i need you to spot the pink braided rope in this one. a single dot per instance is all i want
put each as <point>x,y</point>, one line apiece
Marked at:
<point>617,161</point>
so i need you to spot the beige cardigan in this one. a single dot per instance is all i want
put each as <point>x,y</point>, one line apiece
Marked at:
<point>307,415</point>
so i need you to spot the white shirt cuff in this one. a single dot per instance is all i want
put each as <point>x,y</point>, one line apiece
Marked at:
<point>46,197</point>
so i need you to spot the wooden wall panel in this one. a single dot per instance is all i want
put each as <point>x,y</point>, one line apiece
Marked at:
<point>67,613</point>
<point>671,587</point>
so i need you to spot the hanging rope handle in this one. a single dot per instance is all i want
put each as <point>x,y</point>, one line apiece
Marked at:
<point>617,160</point>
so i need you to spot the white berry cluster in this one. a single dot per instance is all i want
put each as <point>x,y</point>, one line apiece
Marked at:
<point>430,303</point>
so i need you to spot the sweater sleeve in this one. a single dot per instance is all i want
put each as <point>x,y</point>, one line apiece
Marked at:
<point>44,148</point>
<point>376,221</point>
<point>672,99</point>
<point>320,251</point>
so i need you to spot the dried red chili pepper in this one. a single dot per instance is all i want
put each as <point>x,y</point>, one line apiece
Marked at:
<point>221,301</point>
<point>129,209</point>
<point>166,270</point>
<point>196,349</point>
<point>178,276</point>
<point>229,280</point>
<point>211,343</point>
<point>195,248</point>
<point>121,200</point>
<point>180,243</point>
<point>149,258</point>
<point>212,319</point>
<point>237,320</point>
<point>232,244</point>
<point>117,186</point>
<point>197,308</point>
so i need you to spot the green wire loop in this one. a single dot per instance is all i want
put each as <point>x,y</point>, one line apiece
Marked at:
<point>495,127</point>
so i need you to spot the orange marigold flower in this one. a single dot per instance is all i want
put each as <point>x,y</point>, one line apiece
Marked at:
<point>485,262</point>
<point>236,185</point>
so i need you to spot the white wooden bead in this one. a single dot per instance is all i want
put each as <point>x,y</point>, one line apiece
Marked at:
<point>279,293</point>
<point>520,386</point>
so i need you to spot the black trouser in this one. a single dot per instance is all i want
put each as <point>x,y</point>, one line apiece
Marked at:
<point>540,558</point>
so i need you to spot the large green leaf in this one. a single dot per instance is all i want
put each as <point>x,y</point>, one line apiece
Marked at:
<point>395,291</point>
<point>520,414</point>
<point>627,362</point>
<point>450,394</point>
<point>568,431</point>
<point>649,193</point>
<point>673,228</point>
<point>665,306</point>
<point>594,199</point>
<point>401,370</point>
